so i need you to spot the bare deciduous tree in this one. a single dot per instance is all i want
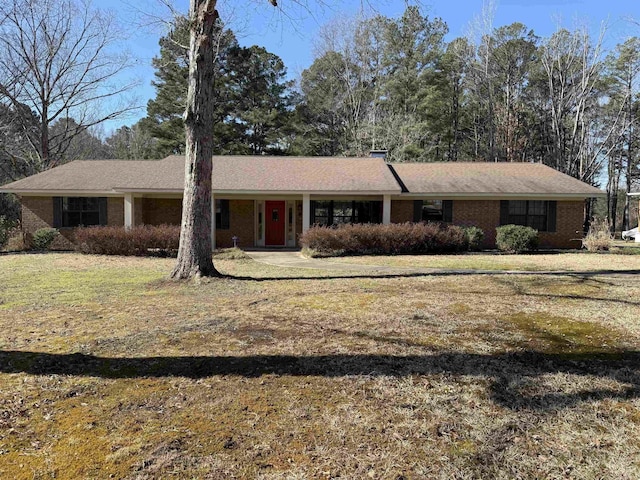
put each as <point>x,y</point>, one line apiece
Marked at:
<point>59,59</point>
<point>573,66</point>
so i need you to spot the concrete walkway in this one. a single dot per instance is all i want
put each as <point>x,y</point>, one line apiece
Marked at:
<point>294,259</point>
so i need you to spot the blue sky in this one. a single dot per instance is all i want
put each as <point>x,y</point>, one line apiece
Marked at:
<point>290,31</point>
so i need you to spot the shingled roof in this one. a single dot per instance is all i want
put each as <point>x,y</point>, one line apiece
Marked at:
<point>295,175</point>
<point>230,174</point>
<point>490,179</point>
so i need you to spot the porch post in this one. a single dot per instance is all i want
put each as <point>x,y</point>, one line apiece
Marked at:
<point>306,212</point>
<point>128,211</point>
<point>386,209</point>
<point>213,222</point>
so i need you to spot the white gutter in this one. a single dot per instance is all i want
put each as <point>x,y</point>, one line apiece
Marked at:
<point>499,196</point>
<point>62,193</point>
<point>119,192</point>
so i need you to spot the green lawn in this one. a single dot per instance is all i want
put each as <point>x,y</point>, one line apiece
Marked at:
<point>108,370</point>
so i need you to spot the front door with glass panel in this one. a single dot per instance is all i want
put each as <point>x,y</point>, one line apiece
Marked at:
<point>274,223</point>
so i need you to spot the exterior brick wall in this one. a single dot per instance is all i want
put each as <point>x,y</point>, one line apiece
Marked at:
<point>401,211</point>
<point>115,211</point>
<point>37,212</point>
<point>241,224</point>
<point>137,211</point>
<point>159,211</point>
<point>484,214</point>
<point>570,217</point>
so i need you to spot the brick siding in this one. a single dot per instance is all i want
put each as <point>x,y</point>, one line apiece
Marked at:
<point>401,211</point>
<point>485,214</point>
<point>241,224</point>
<point>37,213</point>
<point>159,211</point>
<point>568,234</point>
<point>115,211</point>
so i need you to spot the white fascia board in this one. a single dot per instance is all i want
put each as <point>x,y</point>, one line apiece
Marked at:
<point>633,194</point>
<point>150,190</point>
<point>62,193</point>
<point>500,196</point>
<point>275,193</point>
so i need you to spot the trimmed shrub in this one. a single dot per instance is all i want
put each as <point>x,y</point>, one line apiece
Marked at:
<point>475,237</point>
<point>516,238</point>
<point>598,238</point>
<point>376,239</point>
<point>43,238</point>
<point>142,240</point>
<point>6,228</point>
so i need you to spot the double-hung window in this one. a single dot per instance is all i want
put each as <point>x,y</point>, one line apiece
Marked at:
<point>433,210</point>
<point>222,214</point>
<point>69,212</point>
<point>538,214</point>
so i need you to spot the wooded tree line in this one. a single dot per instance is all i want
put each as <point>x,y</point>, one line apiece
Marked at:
<point>376,83</point>
<point>507,95</point>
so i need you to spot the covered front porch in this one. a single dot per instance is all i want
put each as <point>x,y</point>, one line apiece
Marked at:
<point>269,221</point>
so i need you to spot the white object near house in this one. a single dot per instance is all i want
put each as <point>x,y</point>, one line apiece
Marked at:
<point>633,232</point>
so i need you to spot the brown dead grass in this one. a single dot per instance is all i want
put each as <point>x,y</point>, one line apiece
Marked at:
<point>109,370</point>
<point>570,261</point>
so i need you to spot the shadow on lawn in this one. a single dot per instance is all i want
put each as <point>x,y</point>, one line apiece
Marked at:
<point>441,273</point>
<point>512,376</point>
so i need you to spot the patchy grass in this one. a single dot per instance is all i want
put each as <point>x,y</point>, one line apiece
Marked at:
<point>571,261</point>
<point>625,250</point>
<point>230,254</point>
<point>109,370</point>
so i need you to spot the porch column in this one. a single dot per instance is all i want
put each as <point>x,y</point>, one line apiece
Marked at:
<point>306,212</point>
<point>128,211</point>
<point>386,209</point>
<point>213,222</point>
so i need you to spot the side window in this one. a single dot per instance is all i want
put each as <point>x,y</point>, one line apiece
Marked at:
<point>538,214</point>
<point>72,212</point>
<point>222,214</point>
<point>433,210</point>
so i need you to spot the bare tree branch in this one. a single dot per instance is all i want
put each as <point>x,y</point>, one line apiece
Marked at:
<point>61,60</point>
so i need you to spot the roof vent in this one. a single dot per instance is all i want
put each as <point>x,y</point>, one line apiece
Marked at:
<point>378,153</point>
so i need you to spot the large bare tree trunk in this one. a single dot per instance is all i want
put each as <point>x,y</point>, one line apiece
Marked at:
<point>194,253</point>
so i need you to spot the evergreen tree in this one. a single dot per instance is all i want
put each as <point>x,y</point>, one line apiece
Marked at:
<point>263,101</point>
<point>164,113</point>
<point>251,106</point>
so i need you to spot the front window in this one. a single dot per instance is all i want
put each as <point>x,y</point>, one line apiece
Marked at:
<point>222,214</point>
<point>432,211</point>
<point>320,211</point>
<point>340,212</point>
<point>80,211</point>
<point>530,213</point>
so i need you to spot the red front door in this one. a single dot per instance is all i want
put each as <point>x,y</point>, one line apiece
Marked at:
<point>274,225</point>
